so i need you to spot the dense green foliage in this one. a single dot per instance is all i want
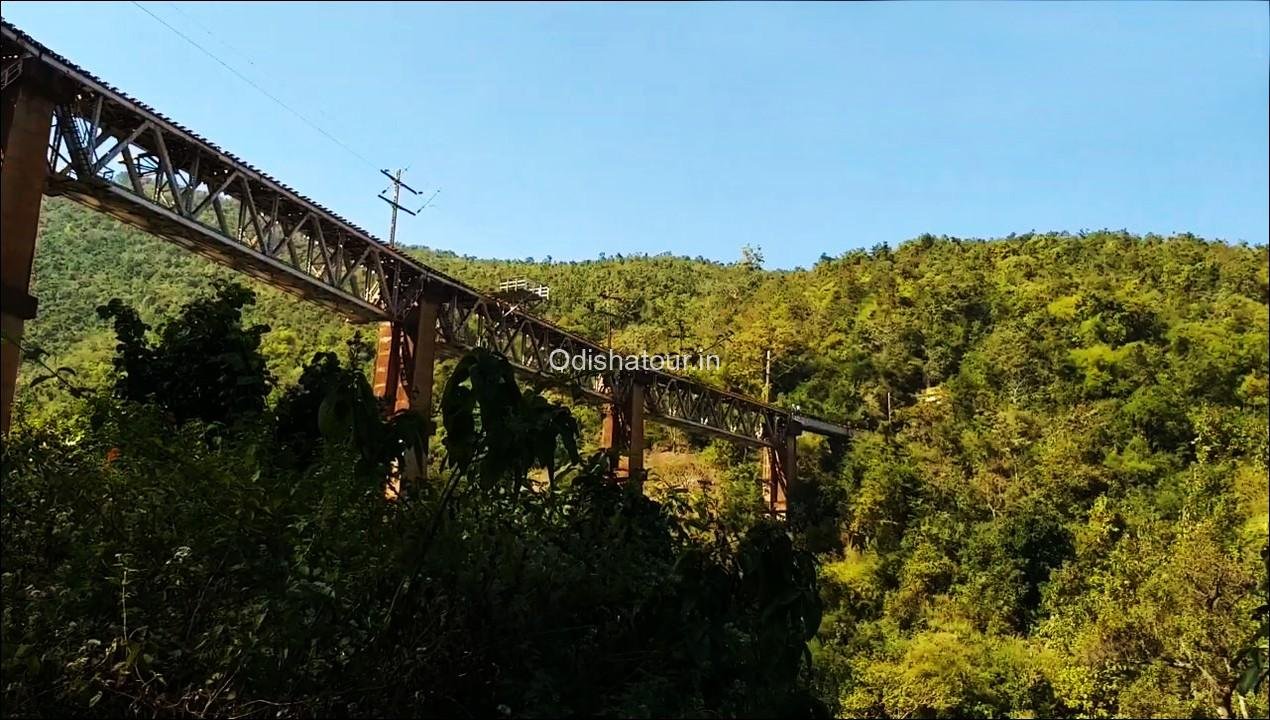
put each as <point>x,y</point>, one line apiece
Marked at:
<point>205,365</point>
<point>1054,503</point>
<point>156,563</point>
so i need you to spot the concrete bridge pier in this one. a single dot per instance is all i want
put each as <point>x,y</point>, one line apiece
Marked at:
<point>622,429</point>
<point>25,124</point>
<point>404,361</point>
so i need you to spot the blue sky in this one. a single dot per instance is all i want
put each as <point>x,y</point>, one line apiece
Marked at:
<point>569,130</point>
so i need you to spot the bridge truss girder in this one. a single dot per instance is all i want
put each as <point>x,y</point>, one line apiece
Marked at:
<point>119,156</point>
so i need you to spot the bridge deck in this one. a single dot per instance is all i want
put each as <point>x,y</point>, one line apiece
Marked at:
<point>121,157</point>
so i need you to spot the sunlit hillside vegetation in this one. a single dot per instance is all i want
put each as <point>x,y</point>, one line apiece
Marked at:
<point>1054,502</point>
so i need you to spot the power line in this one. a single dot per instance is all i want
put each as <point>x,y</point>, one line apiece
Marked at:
<point>239,52</point>
<point>252,83</point>
<point>207,31</point>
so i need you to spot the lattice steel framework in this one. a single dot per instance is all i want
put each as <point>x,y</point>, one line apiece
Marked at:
<point>119,156</point>
<point>113,154</point>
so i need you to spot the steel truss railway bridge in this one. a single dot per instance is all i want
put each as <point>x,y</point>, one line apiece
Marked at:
<point>68,133</point>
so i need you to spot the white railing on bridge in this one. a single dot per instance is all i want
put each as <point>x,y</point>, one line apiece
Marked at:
<point>542,291</point>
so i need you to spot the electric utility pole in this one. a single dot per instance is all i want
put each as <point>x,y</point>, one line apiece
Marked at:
<point>767,378</point>
<point>680,336</point>
<point>395,202</point>
<point>620,316</point>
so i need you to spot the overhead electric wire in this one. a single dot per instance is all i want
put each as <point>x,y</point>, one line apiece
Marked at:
<point>252,83</point>
<point>237,51</point>
<point>208,32</point>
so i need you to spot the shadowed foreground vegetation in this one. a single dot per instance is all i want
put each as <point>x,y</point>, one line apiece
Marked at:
<point>1054,502</point>
<point>225,558</point>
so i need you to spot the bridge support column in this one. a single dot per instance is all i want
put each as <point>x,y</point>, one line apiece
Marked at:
<point>622,429</point>
<point>25,125</point>
<point>388,367</point>
<point>778,469</point>
<point>404,362</point>
<point>635,456</point>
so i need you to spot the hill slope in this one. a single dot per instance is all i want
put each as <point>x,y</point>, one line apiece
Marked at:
<point>1056,497</point>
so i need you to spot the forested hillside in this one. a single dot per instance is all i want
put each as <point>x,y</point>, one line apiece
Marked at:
<point>1054,502</point>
